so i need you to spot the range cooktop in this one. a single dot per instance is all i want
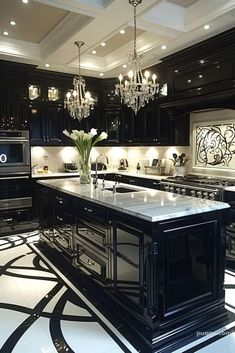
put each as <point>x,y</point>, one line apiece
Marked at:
<point>202,179</point>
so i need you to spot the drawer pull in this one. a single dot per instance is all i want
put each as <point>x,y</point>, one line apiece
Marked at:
<point>88,209</point>
<point>90,263</point>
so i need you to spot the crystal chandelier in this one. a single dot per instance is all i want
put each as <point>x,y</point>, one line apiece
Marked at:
<point>79,102</point>
<point>138,89</point>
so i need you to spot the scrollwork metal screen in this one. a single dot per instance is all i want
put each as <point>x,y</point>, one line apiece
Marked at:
<point>215,144</point>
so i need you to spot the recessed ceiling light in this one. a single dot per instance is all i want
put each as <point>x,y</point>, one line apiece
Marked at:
<point>47,65</point>
<point>199,76</point>
<point>124,66</point>
<point>93,52</point>
<point>101,74</point>
<point>103,44</point>
<point>12,23</point>
<point>206,27</point>
<point>176,71</point>
<point>122,31</point>
<point>163,47</point>
<point>202,61</point>
<point>5,33</point>
<point>189,81</point>
<point>25,1</point>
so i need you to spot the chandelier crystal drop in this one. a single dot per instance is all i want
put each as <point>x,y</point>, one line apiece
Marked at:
<point>79,102</point>
<point>138,89</point>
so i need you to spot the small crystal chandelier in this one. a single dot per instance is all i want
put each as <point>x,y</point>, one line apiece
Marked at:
<point>79,102</point>
<point>138,90</point>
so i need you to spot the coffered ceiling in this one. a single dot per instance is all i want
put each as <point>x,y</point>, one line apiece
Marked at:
<point>45,31</point>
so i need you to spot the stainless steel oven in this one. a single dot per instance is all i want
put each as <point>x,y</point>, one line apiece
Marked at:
<point>15,204</point>
<point>14,152</point>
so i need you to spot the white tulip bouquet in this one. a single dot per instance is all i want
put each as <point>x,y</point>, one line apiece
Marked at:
<point>84,142</point>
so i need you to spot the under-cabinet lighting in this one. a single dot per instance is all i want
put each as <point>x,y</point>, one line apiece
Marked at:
<point>25,1</point>
<point>103,44</point>
<point>5,33</point>
<point>206,27</point>
<point>163,47</point>
<point>93,52</point>
<point>124,66</point>
<point>13,23</point>
<point>47,65</point>
<point>122,31</point>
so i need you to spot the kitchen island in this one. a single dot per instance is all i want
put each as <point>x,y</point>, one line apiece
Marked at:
<point>158,257</point>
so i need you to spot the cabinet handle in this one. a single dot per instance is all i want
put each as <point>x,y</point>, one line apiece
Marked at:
<point>7,219</point>
<point>130,140</point>
<point>88,209</point>
<point>90,263</point>
<point>59,199</point>
<point>132,181</point>
<point>59,218</point>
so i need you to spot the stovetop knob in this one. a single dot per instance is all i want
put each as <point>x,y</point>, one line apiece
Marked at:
<point>199,194</point>
<point>177,190</point>
<point>166,187</point>
<point>212,195</point>
<point>183,191</point>
<point>193,193</point>
<point>171,188</point>
<point>205,195</point>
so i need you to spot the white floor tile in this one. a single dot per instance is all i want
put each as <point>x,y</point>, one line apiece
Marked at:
<point>71,309</point>
<point>36,339</point>
<point>223,345</point>
<point>50,306</point>
<point>81,335</point>
<point>9,321</point>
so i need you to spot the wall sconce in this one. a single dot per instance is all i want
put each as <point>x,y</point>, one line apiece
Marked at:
<point>53,94</point>
<point>34,92</point>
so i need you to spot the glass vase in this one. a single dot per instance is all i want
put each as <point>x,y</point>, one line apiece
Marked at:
<point>85,172</point>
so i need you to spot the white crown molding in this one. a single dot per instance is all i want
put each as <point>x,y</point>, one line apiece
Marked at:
<point>19,49</point>
<point>85,7</point>
<point>71,24</point>
<point>205,11</point>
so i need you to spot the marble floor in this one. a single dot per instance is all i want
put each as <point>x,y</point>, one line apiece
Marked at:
<point>41,311</point>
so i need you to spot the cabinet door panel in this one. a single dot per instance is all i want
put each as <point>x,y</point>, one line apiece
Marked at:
<point>37,126</point>
<point>54,122</point>
<point>112,119</point>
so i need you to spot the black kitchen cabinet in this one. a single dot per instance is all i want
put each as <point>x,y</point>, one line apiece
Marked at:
<point>112,120</point>
<point>151,125</point>
<point>180,130</point>
<point>14,114</point>
<point>46,123</point>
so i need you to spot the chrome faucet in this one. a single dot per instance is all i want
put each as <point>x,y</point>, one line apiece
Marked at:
<point>96,173</point>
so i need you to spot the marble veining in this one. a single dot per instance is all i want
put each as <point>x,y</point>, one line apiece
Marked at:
<point>151,205</point>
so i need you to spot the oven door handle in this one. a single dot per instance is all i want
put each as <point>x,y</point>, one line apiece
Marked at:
<point>4,140</point>
<point>17,177</point>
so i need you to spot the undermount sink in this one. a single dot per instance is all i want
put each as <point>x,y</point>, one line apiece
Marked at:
<point>123,190</point>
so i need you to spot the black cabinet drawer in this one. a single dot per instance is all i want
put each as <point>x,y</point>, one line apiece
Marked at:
<point>93,212</point>
<point>94,264</point>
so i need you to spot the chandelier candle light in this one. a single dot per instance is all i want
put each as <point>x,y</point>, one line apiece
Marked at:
<point>79,102</point>
<point>138,90</point>
<point>84,143</point>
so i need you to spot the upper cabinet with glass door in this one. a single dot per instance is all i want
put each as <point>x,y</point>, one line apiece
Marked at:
<point>44,93</point>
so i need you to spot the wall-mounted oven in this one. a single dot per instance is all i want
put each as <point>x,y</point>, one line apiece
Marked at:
<point>14,152</point>
<point>15,204</point>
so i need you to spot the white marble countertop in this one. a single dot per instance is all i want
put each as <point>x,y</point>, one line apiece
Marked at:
<point>133,173</point>
<point>148,204</point>
<point>230,188</point>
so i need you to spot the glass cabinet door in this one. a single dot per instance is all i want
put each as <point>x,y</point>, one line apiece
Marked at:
<point>112,120</point>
